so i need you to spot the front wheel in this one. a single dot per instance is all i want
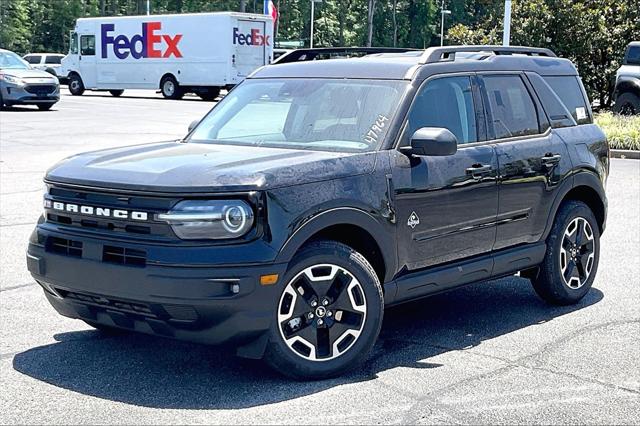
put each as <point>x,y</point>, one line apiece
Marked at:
<point>328,315</point>
<point>116,93</point>
<point>76,87</point>
<point>170,88</point>
<point>573,250</point>
<point>627,104</point>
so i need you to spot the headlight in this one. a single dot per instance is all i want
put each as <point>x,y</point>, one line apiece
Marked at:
<point>209,219</point>
<point>13,80</point>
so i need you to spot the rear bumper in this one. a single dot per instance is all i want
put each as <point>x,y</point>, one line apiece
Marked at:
<point>210,305</point>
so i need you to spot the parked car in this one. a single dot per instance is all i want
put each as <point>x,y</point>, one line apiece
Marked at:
<point>49,62</point>
<point>627,89</point>
<point>20,84</point>
<point>317,193</point>
<point>198,52</point>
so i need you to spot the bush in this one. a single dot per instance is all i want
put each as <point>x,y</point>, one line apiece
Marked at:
<point>623,131</point>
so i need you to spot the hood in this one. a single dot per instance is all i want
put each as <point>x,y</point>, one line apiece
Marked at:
<point>28,73</point>
<point>201,167</point>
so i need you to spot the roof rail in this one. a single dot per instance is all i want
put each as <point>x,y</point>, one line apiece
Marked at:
<point>448,53</point>
<point>317,53</point>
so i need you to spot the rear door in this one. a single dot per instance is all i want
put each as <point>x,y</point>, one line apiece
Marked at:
<point>531,158</point>
<point>446,206</point>
<point>250,43</point>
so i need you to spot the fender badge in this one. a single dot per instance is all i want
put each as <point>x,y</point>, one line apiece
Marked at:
<point>414,220</point>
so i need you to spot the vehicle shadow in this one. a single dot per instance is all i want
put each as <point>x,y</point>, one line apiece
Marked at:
<point>159,373</point>
<point>23,108</point>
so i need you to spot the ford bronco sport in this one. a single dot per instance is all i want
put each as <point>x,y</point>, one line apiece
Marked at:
<point>316,193</point>
<point>627,88</point>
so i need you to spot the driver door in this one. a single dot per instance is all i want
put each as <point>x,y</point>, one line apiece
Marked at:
<point>446,206</point>
<point>87,60</point>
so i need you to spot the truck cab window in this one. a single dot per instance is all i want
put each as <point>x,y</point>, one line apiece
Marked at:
<point>88,45</point>
<point>73,49</point>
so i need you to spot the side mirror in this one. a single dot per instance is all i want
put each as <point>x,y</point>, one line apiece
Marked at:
<point>433,141</point>
<point>193,124</point>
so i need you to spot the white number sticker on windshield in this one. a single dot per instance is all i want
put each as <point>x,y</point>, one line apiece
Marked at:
<point>376,129</point>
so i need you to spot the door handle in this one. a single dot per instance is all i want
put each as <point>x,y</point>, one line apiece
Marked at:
<point>478,170</point>
<point>550,159</point>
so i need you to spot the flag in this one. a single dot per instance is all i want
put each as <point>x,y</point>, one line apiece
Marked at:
<point>270,9</point>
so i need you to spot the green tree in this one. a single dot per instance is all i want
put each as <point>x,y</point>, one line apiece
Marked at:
<point>15,25</point>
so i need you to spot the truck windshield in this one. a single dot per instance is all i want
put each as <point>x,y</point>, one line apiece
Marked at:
<point>317,114</point>
<point>9,60</point>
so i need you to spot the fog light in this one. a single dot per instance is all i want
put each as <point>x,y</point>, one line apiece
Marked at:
<point>270,279</point>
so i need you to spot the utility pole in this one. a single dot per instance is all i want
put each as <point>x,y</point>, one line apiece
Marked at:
<point>313,2</point>
<point>506,33</point>
<point>443,12</point>
<point>148,8</point>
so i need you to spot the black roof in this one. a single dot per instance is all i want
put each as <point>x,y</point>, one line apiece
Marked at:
<point>409,65</point>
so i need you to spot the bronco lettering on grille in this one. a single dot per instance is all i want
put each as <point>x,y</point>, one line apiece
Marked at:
<point>95,211</point>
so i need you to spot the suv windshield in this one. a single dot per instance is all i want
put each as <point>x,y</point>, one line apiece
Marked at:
<point>9,60</point>
<point>318,114</point>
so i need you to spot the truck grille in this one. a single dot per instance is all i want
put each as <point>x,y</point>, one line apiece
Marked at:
<point>124,256</point>
<point>64,246</point>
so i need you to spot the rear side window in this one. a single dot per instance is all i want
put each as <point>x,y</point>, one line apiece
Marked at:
<point>53,60</point>
<point>570,93</point>
<point>511,108</point>
<point>32,59</point>
<point>633,56</point>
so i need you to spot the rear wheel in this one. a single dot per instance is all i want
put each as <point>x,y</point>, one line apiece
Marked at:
<point>76,87</point>
<point>170,88</point>
<point>329,313</point>
<point>116,93</point>
<point>573,250</point>
<point>627,104</point>
<point>209,94</point>
<point>45,107</point>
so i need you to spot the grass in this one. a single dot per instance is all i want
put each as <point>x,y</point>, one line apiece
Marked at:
<point>623,131</point>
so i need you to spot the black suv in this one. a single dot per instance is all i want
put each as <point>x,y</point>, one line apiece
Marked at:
<point>316,193</point>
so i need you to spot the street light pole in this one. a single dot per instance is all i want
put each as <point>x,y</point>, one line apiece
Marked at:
<point>506,33</point>
<point>443,12</point>
<point>312,13</point>
<point>148,9</point>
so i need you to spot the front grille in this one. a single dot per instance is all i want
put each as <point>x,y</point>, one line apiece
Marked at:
<point>124,256</point>
<point>109,303</point>
<point>64,246</point>
<point>40,89</point>
<point>146,230</point>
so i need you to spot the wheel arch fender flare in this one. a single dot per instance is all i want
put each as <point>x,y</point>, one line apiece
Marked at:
<point>627,84</point>
<point>167,75</point>
<point>342,216</point>
<point>583,178</point>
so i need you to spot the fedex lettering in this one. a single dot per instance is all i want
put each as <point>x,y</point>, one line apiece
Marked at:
<point>254,38</point>
<point>145,45</point>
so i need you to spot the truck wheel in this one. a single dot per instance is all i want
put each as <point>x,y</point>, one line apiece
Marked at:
<point>210,94</point>
<point>170,88</point>
<point>76,87</point>
<point>329,313</point>
<point>116,93</point>
<point>573,250</point>
<point>627,104</point>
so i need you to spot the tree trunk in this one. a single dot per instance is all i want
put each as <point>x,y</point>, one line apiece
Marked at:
<point>102,7</point>
<point>370,13</point>
<point>243,6</point>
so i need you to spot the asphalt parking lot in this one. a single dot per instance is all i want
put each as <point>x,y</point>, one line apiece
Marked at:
<point>487,353</point>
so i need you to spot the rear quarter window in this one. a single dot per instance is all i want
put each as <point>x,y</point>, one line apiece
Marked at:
<point>54,60</point>
<point>569,91</point>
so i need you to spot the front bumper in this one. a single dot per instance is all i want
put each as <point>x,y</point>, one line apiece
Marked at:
<point>30,94</point>
<point>210,305</point>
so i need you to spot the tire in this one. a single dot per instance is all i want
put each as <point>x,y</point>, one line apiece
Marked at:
<point>347,322</point>
<point>116,93</point>
<point>170,88</point>
<point>45,107</point>
<point>210,94</point>
<point>627,104</point>
<point>563,279</point>
<point>76,86</point>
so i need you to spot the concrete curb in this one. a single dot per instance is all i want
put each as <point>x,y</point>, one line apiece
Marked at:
<point>625,153</point>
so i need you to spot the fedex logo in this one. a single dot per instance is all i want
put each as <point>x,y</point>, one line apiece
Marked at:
<point>254,38</point>
<point>145,45</point>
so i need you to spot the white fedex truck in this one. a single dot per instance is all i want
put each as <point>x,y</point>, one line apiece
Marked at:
<point>199,53</point>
